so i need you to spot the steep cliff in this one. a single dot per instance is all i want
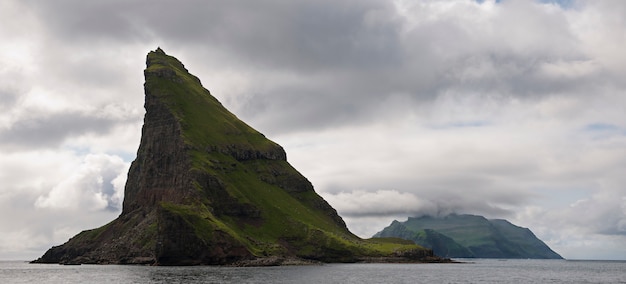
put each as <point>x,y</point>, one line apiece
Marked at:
<point>470,236</point>
<point>205,188</point>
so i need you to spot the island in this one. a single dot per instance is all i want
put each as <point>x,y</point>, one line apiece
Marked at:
<point>207,189</point>
<point>470,236</point>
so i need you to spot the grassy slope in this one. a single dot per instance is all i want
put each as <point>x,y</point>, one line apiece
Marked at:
<point>208,125</point>
<point>473,232</point>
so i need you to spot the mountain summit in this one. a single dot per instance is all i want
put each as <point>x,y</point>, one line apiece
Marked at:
<point>206,188</point>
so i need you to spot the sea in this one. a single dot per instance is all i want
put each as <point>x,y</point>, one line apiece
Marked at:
<point>469,271</point>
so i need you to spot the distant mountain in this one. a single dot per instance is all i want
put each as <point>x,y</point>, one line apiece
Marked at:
<point>470,236</point>
<point>206,188</point>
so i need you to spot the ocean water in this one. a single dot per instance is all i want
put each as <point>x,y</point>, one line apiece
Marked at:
<point>474,271</point>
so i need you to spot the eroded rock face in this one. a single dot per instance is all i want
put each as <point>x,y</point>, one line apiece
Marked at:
<point>161,170</point>
<point>205,188</point>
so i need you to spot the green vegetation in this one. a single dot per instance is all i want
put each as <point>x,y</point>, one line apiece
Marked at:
<point>90,235</point>
<point>203,118</point>
<point>292,218</point>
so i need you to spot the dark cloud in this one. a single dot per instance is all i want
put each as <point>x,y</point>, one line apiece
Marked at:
<point>81,21</point>
<point>49,131</point>
<point>355,55</point>
<point>301,35</point>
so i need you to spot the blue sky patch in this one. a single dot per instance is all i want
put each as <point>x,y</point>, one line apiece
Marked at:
<point>566,4</point>
<point>601,127</point>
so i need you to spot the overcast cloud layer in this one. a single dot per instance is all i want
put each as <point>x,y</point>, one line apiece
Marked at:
<point>514,109</point>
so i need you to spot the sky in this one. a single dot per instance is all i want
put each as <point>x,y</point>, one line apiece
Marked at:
<point>512,109</point>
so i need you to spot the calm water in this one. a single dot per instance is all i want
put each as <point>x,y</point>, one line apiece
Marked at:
<point>478,271</point>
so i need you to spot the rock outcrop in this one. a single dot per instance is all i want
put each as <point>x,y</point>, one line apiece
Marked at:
<point>205,188</point>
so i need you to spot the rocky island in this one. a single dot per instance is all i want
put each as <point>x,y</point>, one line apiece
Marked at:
<point>207,189</point>
<point>470,236</point>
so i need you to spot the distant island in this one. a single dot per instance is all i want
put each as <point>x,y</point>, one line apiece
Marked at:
<point>207,189</point>
<point>470,236</point>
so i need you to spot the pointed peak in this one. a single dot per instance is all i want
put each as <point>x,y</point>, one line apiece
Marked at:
<point>157,59</point>
<point>157,53</point>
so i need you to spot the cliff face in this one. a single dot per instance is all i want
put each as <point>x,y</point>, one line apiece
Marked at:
<point>470,236</point>
<point>205,188</point>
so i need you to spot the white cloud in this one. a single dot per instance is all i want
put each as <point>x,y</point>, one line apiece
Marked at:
<point>380,202</point>
<point>97,184</point>
<point>67,186</point>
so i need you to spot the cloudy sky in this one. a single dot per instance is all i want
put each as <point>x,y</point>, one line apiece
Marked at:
<point>512,109</point>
